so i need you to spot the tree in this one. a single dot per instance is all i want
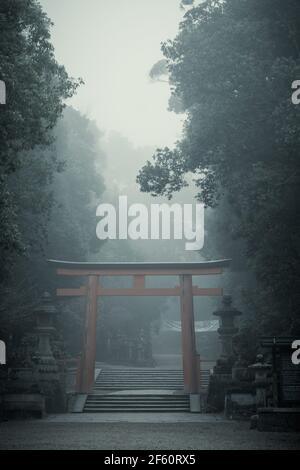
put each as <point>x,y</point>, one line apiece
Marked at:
<point>158,71</point>
<point>57,218</point>
<point>36,89</point>
<point>50,169</point>
<point>186,3</point>
<point>232,65</point>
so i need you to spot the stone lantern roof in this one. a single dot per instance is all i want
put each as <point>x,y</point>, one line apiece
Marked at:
<point>46,306</point>
<point>227,308</point>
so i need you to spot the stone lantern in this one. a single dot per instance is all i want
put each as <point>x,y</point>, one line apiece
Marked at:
<point>228,326</point>
<point>45,314</point>
<point>50,380</point>
<point>222,380</point>
<point>261,382</point>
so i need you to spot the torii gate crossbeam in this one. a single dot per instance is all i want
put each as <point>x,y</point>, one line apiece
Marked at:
<point>138,271</point>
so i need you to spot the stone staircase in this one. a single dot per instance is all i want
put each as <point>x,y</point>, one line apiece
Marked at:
<point>136,403</point>
<point>139,379</point>
<point>136,389</point>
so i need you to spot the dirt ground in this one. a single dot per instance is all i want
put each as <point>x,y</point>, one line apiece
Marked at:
<point>205,434</point>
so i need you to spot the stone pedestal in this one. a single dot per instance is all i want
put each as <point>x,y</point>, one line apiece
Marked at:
<point>278,419</point>
<point>240,402</point>
<point>218,385</point>
<point>195,403</point>
<point>23,405</point>
<point>22,397</point>
<point>241,372</point>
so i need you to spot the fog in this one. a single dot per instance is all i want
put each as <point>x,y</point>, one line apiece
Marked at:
<point>112,45</point>
<point>117,118</point>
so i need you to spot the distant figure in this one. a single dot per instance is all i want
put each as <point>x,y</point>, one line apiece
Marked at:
<point>2,92</point>
<point>2,353</point>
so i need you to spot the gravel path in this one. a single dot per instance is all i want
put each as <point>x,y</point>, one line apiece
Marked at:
<point>136,435</point>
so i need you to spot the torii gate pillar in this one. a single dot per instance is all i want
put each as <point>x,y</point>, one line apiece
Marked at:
<point>86,375</point>
<point>189,354</point>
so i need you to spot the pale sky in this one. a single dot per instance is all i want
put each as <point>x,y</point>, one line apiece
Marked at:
<point>112,45</point>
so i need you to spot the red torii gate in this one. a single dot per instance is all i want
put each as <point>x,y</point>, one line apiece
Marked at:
<point>186,291</point>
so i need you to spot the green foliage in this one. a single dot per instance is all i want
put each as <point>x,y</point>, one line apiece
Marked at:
<point>36,84</point>
<point>159,70</point>
<point>164,176</point>
<point>50,180</point>
<point>56,215</point>
<point>186,3</point>
<point>36,87</point>
<point>232,65</point>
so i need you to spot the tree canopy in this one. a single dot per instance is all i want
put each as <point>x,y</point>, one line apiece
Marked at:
<point>50,166</point>
<point>36,87</point>
<point>232,65</point>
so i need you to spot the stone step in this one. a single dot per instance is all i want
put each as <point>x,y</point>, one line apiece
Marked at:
<point>164,373</point>
<point>149,376</point>
<point>151,371</point>
<point>161,379</point>
<point>137,380</point>
<point>172,406</point>
<point>140,387</point>
<point>141,371</point>
<point>134,410</point>
<point>142,381</point>
<point>136,398</point>
<point>137,403</point>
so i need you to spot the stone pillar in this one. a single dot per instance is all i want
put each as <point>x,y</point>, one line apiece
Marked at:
<point>261,381</point>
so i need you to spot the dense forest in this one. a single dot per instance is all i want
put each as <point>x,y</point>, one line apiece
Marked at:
<point>50,180</point>
<point>149,227</point>
<point>52,167</point>
<point>231,69</point>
